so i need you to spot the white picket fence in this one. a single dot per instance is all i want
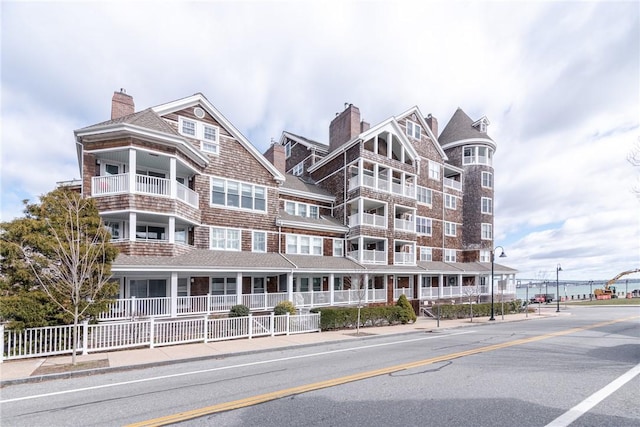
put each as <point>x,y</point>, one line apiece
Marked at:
<point>55,340</point>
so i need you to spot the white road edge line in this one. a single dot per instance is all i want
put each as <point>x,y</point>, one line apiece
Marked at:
<point>222,368</point>
<point>583,407</point>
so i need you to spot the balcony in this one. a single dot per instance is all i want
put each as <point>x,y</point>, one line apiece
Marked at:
<point>404,258</point>
<point>407,189</point>
<point>369,256</point>
<point>452,183</point>
<point>148,185</point>
<point>404,225</point>
<point>367,219</point>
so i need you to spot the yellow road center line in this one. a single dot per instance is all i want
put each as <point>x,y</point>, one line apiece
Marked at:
<point>279,394</point>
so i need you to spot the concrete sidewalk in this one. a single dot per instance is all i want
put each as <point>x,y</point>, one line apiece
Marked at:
<point>43,368</point>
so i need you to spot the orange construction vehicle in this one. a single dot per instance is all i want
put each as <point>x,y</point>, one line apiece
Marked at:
<point>610,291</point>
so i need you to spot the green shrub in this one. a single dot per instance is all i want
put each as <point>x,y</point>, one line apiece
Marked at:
<point>407,315</point>
<point>284,307</point>
<point>347,317</point>
<point>239,310</point>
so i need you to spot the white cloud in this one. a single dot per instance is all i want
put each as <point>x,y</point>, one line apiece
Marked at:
<point>558,81</point>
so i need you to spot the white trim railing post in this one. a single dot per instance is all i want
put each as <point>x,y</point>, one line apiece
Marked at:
<point>272,323</point>
<point>208,310</point>
<point>288,323</point>
<point>152,328</point>
<point>206,328</point>
<point>250,326</point>
<point>2,343</point>
<point>85,337</point>
<point>132,305</point>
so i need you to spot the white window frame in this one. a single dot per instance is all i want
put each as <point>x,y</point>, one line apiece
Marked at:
<point>298,169</point>
<point>287,150</point>
<point>259,244</point>
<point>304,210</point>
<point>434,170</point>
<point>428,225</point>
<point>338,247</point>
<point>450,229</point>
<point>485,256</point>
<point>428,195</point>
<point>303,244</point>
<point>486,231</point>
<point>450,201</point>
<point>229,285</point>
<point>475,158</point>
<point>414,130</point>
<point>450,255</point>
<point>230,243</point>
<point>240,186</point>
<point>487,179</point>
<point>207,145</point>
<point>486,205</point>
<point>425,253</point>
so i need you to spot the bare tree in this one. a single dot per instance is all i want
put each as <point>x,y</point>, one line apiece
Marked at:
<point>74,270</point>
<point>472,293</point>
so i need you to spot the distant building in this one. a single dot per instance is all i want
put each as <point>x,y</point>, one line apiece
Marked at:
<point>204,221</point>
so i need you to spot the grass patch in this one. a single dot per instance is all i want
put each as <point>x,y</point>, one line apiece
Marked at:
<point>614,301</point>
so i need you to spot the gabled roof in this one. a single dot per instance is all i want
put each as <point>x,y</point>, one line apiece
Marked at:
<point>301,187</point>
<point>434,138</point>
<point>202,101</point>
<point>144,124</point>
<point>460,128</point>
<point>310,143</point>
<point>322,224</point>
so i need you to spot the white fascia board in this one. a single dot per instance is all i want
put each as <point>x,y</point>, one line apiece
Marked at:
<point>307,226</point>
<point>426,127</point>
<point>150,213</point>
<point>453,168</point>
<point>299,140</point>
<point>306,195</point>
<point>139,131</point>
<point>470,141</point>
<point>333,154</point>
<point>199,99</point>
<point>168,268</point>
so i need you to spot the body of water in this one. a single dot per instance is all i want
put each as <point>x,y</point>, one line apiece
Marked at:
<point>575,290</point>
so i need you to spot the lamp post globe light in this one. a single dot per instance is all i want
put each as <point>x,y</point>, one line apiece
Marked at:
<point>493,256</point>
<point>558,270</point>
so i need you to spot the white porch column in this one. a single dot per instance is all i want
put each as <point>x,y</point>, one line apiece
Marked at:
<point>132,226</point>
<point>366,287</point>
<point>172,229</point>
<point>290,286</point>
<point>239,287</point>
<point>173,293</point>
<point>173,183</point>
<point>460,284</point>
<point>360,172</point>
<point>132,170</point>
<point>420,286</point>
<point>331,288</point>
<point>440,284</point>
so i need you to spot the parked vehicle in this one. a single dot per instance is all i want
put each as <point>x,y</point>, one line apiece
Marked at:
<point>540,298</point>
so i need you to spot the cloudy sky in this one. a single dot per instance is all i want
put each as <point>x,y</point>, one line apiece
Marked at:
<point>559,82</point>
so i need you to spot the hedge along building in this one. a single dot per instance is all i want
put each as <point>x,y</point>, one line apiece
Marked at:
<point>204,221</point>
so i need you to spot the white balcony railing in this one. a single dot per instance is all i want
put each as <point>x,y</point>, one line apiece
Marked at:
<point>151,185</point>
<point>367,219</point>
<point>404,224</point>
<point>404,258</point>
<point>407,190</point>
<point>452,183</point>
<point>369,256</point>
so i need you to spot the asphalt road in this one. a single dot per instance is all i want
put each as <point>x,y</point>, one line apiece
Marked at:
<point>580,369</point>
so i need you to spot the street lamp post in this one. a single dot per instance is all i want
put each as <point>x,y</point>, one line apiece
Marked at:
<point>502,255</point>
<point>558,270</point>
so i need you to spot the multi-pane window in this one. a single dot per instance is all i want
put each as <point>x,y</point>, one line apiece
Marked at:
<point>424,195</point>
<point>223,285</point>
<point>287,150</point>
<point>450,201</point>
<point>434,170</point>
<point>225,239</point>
<point>298,169</point>
<point>151,288</point>
<point>301,209</point>
<point>477,154</point>
<point>485,256</point>
<point>114,229</point>
<point>426,254</point>
<point>449,255</point>
<point>487,179</point>
<point>150,232</point>
<point>413,129</point>
<point>259,241</point>
<point>487,205</point>
<point>206,133</point>
<point>234,194</point>
<point>449,228</point>
<point>338,247</point>
<point>423,225</point>
<point>304,245</point>
<point>487,231</point>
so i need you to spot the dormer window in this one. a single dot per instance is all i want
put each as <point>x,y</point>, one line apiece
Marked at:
<point>205,132</point>
<point>481,124</point>
<point>413,129</point>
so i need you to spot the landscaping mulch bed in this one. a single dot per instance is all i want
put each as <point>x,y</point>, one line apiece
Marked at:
<point>68,367</point>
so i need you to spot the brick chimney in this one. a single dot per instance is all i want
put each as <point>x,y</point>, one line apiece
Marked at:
<point>433,124</point>
<point>275,154</point>
<point>344,126</point>
<point>121,104</point>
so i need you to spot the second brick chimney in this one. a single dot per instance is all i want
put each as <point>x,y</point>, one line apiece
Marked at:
<point>121,104</point>
<point>275,154</point>
<point>344,126</point>
<point>433,124</point>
